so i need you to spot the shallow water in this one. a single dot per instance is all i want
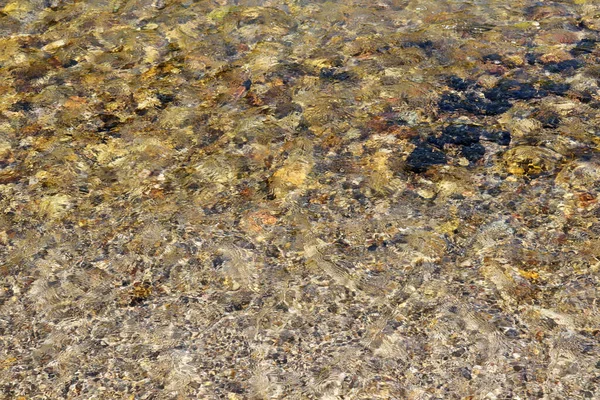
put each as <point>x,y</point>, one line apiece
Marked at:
<point>299,200</point>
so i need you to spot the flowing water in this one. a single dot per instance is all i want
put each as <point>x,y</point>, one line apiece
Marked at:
<point>392,199</point>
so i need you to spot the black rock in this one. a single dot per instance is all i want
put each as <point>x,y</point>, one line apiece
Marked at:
<point>164,99</point>
<point>217,262</point>
<point>567,66</point>
<point>585,96</point>
<point>496,107</point>
<point>532,58</point>
<point>512,90</point>
<point>512,333</point>
<point>109,122</point>
<point>332,75</point>
<point>492,57</point>
<point>501,137</point>
<point>22,105</point>
<point>584,46</point>
<point>450,102</point>
<point>472,102</point>
<point>551,87</point>
<point>424,157</point>
<point>247,84</point>
<point>473,152</point>
<point>462,135</point>
<point>70,63</point>
<point>466,373</point>
<point>460,84</point>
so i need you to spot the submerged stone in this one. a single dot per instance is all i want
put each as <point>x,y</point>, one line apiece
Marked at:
<point>512,90</point>
<point>551,87</point>
<point>460,84</point>
<point>426,45</point>
<point>473,152</point>
<point>284,109</point>
<point>332,74</point>
<point>584,46</point>
<point>493,101</point>
<point>567,66</point>
<point>461,135</point>
<point>549,119</point>
<point>473,103</point>
<point>424,157</point>
<point>22,105</point>
<point>531,161</point>
<point>500,137</point>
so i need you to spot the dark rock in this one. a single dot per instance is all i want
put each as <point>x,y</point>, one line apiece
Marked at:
<point>548,119</point>
<point>541,11</point>
<point>466,373</point>
<point>501,137</point>
<point>287,72</point>
<point>459,84</point>
<point>495,108</point>
<point>462,135</point>
<point>567,66</point>
<point>217,262</point>
<point>495,191</point>
<point>512,90</point>
<point>472,102</point>
<point>22,105</point>
<point>70,63</point>
<point>165,99</point>
<point>273,251</point>
<point>399,238</point>
<point>230,50</point>
<point>532,58</point>
<point>284,109</point>
<point>477,104</point>
<point>584,46</point>
<point>235,387</point>
<point>459,352</point>
<point>551,87</point>
<point>585,97</point>
<point>243,243</point>
<point>492,58</point>
<point>426,45</point>
<point>109,122</point>
<point>332,75</point>
<point>392,119</point>
<point>473,152</point>
<point>450,102</point>
<point>424,157</point>
<point>239,301</point>
<point>512,333</point>
<point>287,336</point>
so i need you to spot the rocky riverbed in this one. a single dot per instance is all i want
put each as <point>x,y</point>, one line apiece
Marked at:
<point>392,199</point>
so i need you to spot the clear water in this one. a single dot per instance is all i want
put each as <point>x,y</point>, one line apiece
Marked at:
<point>299,200</point>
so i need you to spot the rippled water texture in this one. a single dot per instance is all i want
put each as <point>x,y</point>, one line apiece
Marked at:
<point>299,199</point>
